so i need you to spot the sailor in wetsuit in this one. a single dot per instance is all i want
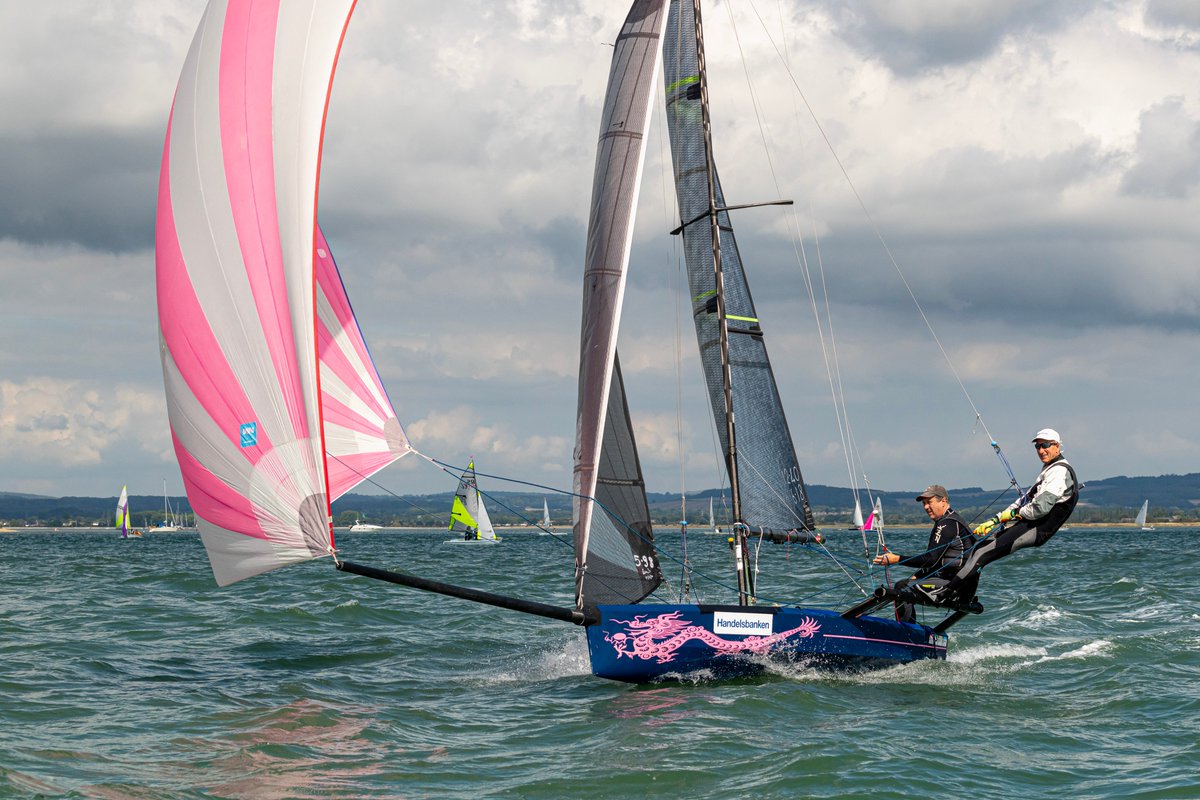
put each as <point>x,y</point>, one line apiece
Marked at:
<point>1035,516</point>
<point>948,540</point>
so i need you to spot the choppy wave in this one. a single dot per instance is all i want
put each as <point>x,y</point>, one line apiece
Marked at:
<point>137,678</point>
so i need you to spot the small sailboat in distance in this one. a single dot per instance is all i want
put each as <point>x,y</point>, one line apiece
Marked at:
<point>468,514</point>
<point>875,518</point>
<point>544,523</point>
<point>1141,517</point>
<point>124,523</point>
<point>169,523</point>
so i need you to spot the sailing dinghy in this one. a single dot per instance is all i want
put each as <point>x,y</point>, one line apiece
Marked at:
<point>875,518</point>
<point>1141,517</point>
<point>170,521</point>
<point>633,640</point>
<point>124,523</point>
<point>468,514</point>
<point>276,408</point>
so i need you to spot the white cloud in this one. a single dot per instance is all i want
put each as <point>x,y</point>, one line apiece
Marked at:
<point>1167,160</point>
<point>45,422</point>
<point>1032,166</point>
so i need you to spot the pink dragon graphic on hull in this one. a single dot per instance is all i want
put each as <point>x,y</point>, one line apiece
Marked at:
<point>659,637</point>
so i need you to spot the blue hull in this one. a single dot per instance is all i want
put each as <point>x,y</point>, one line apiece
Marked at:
<point>639,643</point>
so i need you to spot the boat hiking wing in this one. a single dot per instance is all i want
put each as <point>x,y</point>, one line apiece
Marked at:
<point>236,246</point>
<point>771,488</point>
<point>614,548</point>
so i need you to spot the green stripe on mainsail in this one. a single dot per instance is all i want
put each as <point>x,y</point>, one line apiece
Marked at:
<point>683,82</point>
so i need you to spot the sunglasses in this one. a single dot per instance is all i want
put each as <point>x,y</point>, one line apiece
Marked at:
<point>1044,445</point>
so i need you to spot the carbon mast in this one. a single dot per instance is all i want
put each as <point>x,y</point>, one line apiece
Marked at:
<point>739,539</point>
<point>741,554</point>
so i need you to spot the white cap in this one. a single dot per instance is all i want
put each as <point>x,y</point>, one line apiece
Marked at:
<point>1047,435</point>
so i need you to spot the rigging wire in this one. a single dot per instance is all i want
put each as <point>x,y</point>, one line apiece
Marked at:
<point>883,243</point>
<point>454,471</point>
<point>673,274</point>
<point>827,340</point>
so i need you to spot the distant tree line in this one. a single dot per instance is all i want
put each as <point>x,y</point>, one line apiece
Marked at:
<point>1173,498</point>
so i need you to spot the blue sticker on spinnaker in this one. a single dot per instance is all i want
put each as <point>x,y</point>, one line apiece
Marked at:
<point>249,434</point>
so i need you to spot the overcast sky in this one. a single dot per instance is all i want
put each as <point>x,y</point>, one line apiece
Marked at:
<point>1033,166</point>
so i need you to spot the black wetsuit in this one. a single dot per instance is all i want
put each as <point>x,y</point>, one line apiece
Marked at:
<point>948,540</point>
<point>1022,532</point>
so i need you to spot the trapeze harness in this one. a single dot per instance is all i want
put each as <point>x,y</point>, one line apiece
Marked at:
<point>949,539</point>
<point>1024,533</point>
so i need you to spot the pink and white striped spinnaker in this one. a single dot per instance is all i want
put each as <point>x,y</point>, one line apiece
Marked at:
<point>264,366</point>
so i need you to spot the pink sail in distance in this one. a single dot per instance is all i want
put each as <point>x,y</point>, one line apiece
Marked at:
<point>274,404</point>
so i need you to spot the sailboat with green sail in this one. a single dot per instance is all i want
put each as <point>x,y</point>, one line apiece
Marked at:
<point>124,521</point>
<point>469,517</point>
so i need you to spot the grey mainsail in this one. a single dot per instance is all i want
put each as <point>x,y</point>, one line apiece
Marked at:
<point>615,560</point>
<point>771,488</point>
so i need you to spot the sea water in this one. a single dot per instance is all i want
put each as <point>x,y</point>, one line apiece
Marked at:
<point>126,673</point>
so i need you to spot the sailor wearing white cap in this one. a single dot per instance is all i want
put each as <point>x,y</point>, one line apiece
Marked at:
<point>1034,517</point>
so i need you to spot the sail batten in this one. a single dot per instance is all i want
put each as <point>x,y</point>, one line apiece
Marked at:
<point>257,337</point>
<point>771,493</point>
<point>615,558</point>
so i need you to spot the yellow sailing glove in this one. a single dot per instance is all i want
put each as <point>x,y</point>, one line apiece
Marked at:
<point>1007,515</point>
<point>985,527</point>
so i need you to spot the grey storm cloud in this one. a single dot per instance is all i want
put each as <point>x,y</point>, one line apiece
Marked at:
<point>1167,160</point>
<point>913,36</point>
<point>1174,12</point>
<point>44,422</point>
<point>90,188</point>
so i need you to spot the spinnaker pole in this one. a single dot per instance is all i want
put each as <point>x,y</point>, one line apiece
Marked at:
<point>465,593</point>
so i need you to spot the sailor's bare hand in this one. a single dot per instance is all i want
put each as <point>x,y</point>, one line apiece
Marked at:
<point>887,558</point>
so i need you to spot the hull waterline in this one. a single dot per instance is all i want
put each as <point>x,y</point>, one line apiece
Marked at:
<point>641,643</point>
